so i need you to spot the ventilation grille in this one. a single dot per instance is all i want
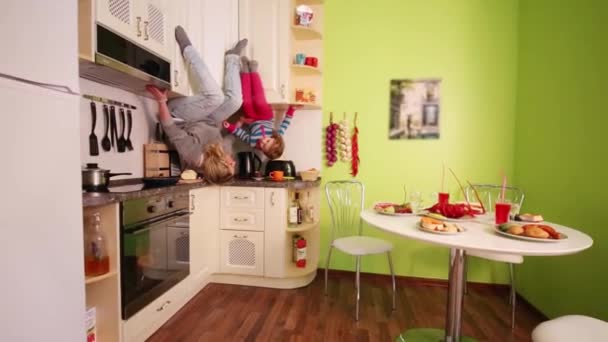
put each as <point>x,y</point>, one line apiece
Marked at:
<point>121,10</point>
<point>182,249</point>
<point>157,24</point>
<point>241,253</point>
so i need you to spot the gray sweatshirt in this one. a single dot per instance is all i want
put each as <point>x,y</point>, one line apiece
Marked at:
<point>190,139</point>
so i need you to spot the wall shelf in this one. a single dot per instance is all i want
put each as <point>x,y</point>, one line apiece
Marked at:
<point>306,69</point>
<point>305,105</point>
<point>310,2</point>
<point>305,33</point>
<point>91,280</point>
<point>302,227</point>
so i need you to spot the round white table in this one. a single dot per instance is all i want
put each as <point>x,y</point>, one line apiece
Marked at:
<point>478,236</point>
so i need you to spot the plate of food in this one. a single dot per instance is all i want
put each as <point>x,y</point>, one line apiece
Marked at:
<point>431,225</point>
<point>454,212</point>
<point>393,209</point>
<point>531,232</point>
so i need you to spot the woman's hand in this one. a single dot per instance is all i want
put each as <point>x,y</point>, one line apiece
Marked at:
<point>159,95</point>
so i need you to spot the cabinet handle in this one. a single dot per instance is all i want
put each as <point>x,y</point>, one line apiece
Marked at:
<point>272,199</point>
<point>283,91</point>
<point>162,307</point>
<point>239,219</point>
<point>146,30</point>
<point>138,26</point>
<point>192,207</point>
<point>241,197</point>
<point>176,80</point>
<point>240,237</point>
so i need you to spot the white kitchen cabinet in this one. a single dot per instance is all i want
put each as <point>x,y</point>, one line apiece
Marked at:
<point>120,16</point>
<point>144,22</point>
<point>242,219</point>
<point>242,198</point>
<point>179,75</point>
<point>204,235</point>
<point>155,26</point>
<point>242,252</point>
<point>275,216</point>
<point>266,24</point>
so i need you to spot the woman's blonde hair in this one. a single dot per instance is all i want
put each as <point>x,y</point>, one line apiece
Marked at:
<point>215,168</point>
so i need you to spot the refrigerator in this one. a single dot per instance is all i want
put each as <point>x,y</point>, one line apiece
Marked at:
<point>41,255</point>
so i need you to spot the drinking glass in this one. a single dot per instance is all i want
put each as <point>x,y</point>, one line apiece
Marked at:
<point>415,199</point>
<point>502,212</point>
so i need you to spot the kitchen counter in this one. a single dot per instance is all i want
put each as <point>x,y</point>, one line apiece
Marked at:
<point>93,199</point>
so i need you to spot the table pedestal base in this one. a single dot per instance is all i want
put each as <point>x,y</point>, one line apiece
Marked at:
<point>428,335</point>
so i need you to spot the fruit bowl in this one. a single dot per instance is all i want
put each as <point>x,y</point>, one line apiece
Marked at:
<point>310,175</point>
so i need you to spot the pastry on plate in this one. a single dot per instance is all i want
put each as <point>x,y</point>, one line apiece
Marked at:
<point>529,218</point>
<point>431,223</point>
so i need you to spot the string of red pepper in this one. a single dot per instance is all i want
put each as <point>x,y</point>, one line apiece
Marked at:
<point>355,149</point>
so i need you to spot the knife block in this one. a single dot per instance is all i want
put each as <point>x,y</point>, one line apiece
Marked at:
<point>157,162</point>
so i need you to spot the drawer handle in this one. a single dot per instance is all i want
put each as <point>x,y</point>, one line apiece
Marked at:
<point>138,26</point>
<point>240,219</point>
<point>146,36</point>
<point>162,307</point>
<point>240,237</point>
<point>272,199</point>
<point>241,197</point>
<point>176,78</point>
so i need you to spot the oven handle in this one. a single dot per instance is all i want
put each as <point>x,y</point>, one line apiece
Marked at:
<point>148,226</point>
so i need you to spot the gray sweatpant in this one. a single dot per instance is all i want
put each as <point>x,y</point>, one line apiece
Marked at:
<point>209,103</point>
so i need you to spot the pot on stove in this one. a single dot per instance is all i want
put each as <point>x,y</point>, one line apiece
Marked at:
<point>95,178</point>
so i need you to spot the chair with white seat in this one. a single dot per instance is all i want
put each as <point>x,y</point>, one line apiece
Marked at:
<point>571,328</point>
<point>345,199</point>
<point>489,194</point>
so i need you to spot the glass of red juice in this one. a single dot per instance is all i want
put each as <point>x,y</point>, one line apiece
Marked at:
<point>502,212</point>
<point>443,198</point>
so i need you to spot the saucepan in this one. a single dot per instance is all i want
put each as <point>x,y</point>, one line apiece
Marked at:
<point>95,178</point>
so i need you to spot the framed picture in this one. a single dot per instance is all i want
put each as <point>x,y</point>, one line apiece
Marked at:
<point>414,109</point>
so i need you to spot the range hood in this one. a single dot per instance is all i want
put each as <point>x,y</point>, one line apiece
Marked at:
<point>117,62</point>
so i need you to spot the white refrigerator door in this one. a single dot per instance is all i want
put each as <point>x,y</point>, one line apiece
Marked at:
<point>40,40</point>
<point>41,258</point>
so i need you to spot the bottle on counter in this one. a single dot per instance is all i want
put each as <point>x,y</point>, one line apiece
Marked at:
<point>96,259</point>
<point>300,210</point>
<point>294,211</point>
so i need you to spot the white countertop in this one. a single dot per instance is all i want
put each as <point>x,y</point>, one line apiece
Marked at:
<point>480,236</point>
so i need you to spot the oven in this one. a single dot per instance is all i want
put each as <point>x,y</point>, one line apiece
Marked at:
<point>154,248</point>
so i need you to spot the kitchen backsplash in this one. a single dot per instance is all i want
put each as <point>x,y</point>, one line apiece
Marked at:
<point>302,140</point>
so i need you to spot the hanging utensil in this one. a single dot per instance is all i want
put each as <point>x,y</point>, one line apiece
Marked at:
<point>93,145</point>
<point>105,142</point>
<point>130,124</point>
<point>121,143</point>
<point>114,132</point>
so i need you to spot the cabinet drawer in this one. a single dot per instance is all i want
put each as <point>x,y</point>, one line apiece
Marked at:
<point>144,323</point>
<point>242,252</point>
<point>242,219</point>
<point>237,197</point>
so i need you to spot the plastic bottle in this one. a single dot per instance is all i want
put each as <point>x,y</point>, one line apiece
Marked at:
<point>96,259</point>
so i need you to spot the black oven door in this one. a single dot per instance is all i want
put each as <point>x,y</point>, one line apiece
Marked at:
<point>146,272</point>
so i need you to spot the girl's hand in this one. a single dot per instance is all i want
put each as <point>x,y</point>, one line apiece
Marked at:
<point>159,95</point>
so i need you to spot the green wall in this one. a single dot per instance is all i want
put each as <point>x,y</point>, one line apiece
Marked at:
<point>560,147</point>
<point>472,46</point>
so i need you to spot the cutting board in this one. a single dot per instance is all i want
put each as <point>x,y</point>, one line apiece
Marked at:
<point>156,160</point>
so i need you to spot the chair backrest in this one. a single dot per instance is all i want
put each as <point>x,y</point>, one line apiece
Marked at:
<point>345,199</point>
<point>490,193</point>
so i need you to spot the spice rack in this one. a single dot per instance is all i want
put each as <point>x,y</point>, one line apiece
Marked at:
<point>309,41</point>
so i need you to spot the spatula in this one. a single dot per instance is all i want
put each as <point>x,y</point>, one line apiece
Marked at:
<point>121,143</point>
<point>105,142</point>
<point>93,145</point>
<point>130,125</point>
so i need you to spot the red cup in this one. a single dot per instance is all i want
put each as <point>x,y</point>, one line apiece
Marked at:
<point>308,61</point>
<point>315,61</point>
<point>502,212</point>
<point>443,198</point>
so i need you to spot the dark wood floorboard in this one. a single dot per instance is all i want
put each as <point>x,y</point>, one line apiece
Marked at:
<point>242,313</point>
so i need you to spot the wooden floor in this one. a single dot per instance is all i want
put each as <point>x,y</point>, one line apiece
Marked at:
<point>241,313</point>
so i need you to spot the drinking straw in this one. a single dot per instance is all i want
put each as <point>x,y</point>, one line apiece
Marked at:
<point>504,185</point>
<point>442,176</point>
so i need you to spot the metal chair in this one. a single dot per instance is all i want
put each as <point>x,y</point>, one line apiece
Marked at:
<point>489,194</point>
<point>345,199</point>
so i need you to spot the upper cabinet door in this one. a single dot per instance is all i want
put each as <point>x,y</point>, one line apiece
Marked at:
<point>119,16</point>
<point>266,24</point>
<point>179,75</point>
<point>156,35</point>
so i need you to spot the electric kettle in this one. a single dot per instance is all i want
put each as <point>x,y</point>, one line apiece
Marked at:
<point>247,164</point>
